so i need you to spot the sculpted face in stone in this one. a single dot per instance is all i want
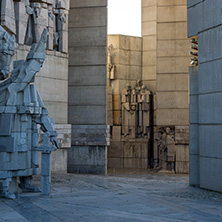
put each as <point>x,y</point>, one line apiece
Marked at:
<point>7,48</point>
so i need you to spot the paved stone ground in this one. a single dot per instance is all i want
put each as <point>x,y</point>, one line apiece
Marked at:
<point>120,197</point>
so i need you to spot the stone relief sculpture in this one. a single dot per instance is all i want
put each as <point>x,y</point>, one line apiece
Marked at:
<point>21,110</point>
<point>110,66</point>
<point>135,110</point>
<point>165,149</point>
<point>28,18</point>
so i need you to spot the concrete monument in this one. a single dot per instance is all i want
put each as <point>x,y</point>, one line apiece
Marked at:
<point>21,110</point>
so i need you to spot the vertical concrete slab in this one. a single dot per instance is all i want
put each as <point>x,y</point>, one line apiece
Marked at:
<point>87,102</point>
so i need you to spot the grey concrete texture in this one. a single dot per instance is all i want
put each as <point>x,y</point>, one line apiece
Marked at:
<point>132,197</point>
<point>200,16</point>
<point>87,3</point>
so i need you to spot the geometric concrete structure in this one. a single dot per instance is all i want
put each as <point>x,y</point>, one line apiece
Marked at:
<point>87,86</point>
<point>165,61</point>
<point>205,95</point>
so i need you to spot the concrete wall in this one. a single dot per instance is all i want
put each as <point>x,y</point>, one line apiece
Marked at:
<point>208,142</point>
<point>127,58</point>
<point>165,69</point>
<point>87,83</point>
<point>124,152</point>
<point>149,35</point>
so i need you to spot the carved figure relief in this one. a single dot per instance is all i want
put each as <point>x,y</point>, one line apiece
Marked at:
<point>28,18</point>
<point>110,66</point>
<point>135,110</point>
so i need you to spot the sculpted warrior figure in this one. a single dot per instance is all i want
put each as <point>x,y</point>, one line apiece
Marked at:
<point>21,109</point>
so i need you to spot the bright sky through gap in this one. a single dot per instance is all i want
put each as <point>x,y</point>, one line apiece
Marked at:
<point>124,17</point>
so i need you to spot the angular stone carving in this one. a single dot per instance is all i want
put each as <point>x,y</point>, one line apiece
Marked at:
<point>135,110</point>
<point>165,149</point>
<point>8,16</point>
<point>21,109</point>
<point>110,66</point>
<point>28,18</point>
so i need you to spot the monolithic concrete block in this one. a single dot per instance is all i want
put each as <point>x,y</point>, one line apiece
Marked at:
<point>172,100</point>
<point>87,56</point>
<point>149,58</point>
<point>149,43</point>
<point>191,3</point>
<point>194,81</point>
<point>90,95</point>
<point>172,13</point>
<point>149,28</point>
<point>90,135</point>
<point>87,3</point>
<point>169,31</point>
<point>194,170</point>
<point>194,109</point>
<point>209,110</point>
<point>87,115</point>
<point>209,44</point>
<point>210,173</point>
<point>210,83</point>
<point>115,162</point>
<point>80,36</point>
<point>149,13</point>
<point>173,65</point>
<point>87,17</point>
<point>171,2</point>
<point>87,76</point>
<point>115,150</point>
<point>169,82</point>
<point>87,159</point>
<point>149,73</point>
<point>146,3</point>
<point>210,141</point>
<point>168,48</point>
<point>194,139</point>
<point>172,117</point>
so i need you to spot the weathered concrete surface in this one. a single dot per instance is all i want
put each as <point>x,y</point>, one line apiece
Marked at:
<point>132,197</point>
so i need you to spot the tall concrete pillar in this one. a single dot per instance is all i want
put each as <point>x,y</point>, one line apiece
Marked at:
<point>194,172</point>
<point>87,86</point>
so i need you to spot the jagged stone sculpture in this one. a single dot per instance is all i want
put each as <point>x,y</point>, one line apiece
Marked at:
<point>135,110</point>
<point>21,110</point>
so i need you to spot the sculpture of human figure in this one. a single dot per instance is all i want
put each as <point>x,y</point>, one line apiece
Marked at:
<point>110,66</point>
<point>125,101</point>
<point>32,35</point>
<point>144,110</point>
<point>21,109</point>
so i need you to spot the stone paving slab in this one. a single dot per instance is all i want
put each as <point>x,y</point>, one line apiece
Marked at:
<point>120,197</point>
